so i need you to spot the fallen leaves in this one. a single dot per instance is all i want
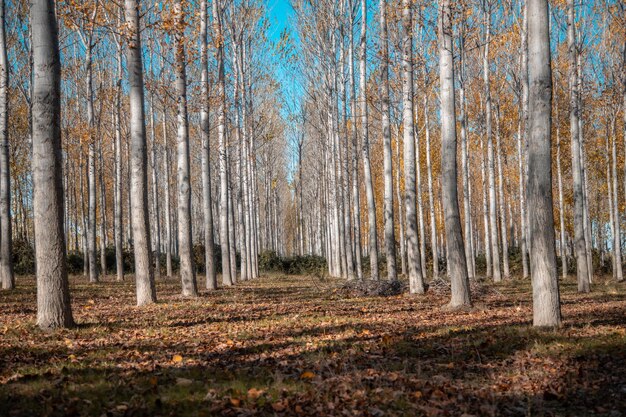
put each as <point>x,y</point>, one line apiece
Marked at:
<point>286,346</point>
<point>307,375</point>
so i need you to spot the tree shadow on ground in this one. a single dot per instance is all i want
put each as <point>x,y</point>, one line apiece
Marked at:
<point>303,352</point>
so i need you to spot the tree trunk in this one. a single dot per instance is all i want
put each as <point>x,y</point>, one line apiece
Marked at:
<point>416,280</point>
<point>582,268</point>
<point>53,293</point>
<point>103,214</point>
<point>118,189</point>
<point>221,134</point>
<point>6,256</point>
<point>487,240</point>
<point>615,201</point>
<point>457,267</point>
<point>431,197</point>
<point>166,179</point>
<point>367,171</point>
<point>347,217</point>
<point>144,274</point>
<point>185,249</point>
<point>522,141</point>
<point>390,238</point>
<point>502,199</point>
<point>91,170</point>
<point>559,176</point>
<point>207,203</point>
<point>155,190</point>
<point>469,248</point>
<point>356,199</point>
<point>493,217</point>
<point>546,300</point>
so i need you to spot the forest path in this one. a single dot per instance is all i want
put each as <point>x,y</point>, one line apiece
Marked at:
<point>296,345</point>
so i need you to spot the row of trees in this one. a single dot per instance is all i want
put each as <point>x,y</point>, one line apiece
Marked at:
<point>486,93</point>
<point>330,197</point>
<point>101,146</point>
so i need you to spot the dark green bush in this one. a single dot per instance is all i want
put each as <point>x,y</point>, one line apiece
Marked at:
<point>75,262</point>
<point>23,257</point>
<point>269,261</point>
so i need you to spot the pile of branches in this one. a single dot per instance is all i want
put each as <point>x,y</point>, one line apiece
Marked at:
<point>370,288</point>
<point>440,286</point>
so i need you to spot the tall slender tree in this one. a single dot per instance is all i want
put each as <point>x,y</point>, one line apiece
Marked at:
<point>6,255</point>
<point>454,235</point>
<point>367,171</point>
<point>53,293</point>
<point>218,38</point>
<point>207,203</point>
<point>416,280</point>
<point>185,250</point>
<point>390,236</point>
<point>144,273</point>
<point>546,301</point>
<point>582,267</point>
<point>491,171</point>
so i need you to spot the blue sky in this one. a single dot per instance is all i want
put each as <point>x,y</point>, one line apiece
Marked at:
<point>280,11</point>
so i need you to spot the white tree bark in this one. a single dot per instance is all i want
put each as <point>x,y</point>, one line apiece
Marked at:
<point>53,294</point>
<point>502,200</point>
<point>431,197</point>
<point>467,215</point>
<point>457,266</point>
<point>416,280</point>
<point>390,238</point>
<point>6,256</point>
<point>367,171</point>
<point>185,249</point>
<point>166,180</point>
<point>559,176</point>
<point>207,203</point>
<point>356,199</point>
<point>144,274</point>
<point>493,218</point>
<point>582,268</point>
<point>617,246</point>
<point>155,190</point>
<point>546,300</point>
<point>91,167</point>
<point>221,134</point>
<point>522,141</point>
<point>118,189</point>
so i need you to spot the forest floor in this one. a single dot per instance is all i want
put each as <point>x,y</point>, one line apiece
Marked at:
<point>294,345</point>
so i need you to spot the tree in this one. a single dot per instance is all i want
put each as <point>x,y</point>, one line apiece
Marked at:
<point>118,189</point>
<point>493,218</point>
<point>218,38</point>
<point>53,294</point>
<point>582,268</point>
<point>416,280</point>
<point>546,301</point>
<point>187,270</point>
<point>207,204</point>
<point>6,255</point>
<point>390,237</point>
<point>367,171</point>
<point>456,251</point>
<point>144,273</point>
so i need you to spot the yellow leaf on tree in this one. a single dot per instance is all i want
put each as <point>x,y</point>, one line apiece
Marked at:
<point>177,359</point>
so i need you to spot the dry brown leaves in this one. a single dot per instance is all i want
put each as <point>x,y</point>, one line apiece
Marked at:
<point>290,346</point>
